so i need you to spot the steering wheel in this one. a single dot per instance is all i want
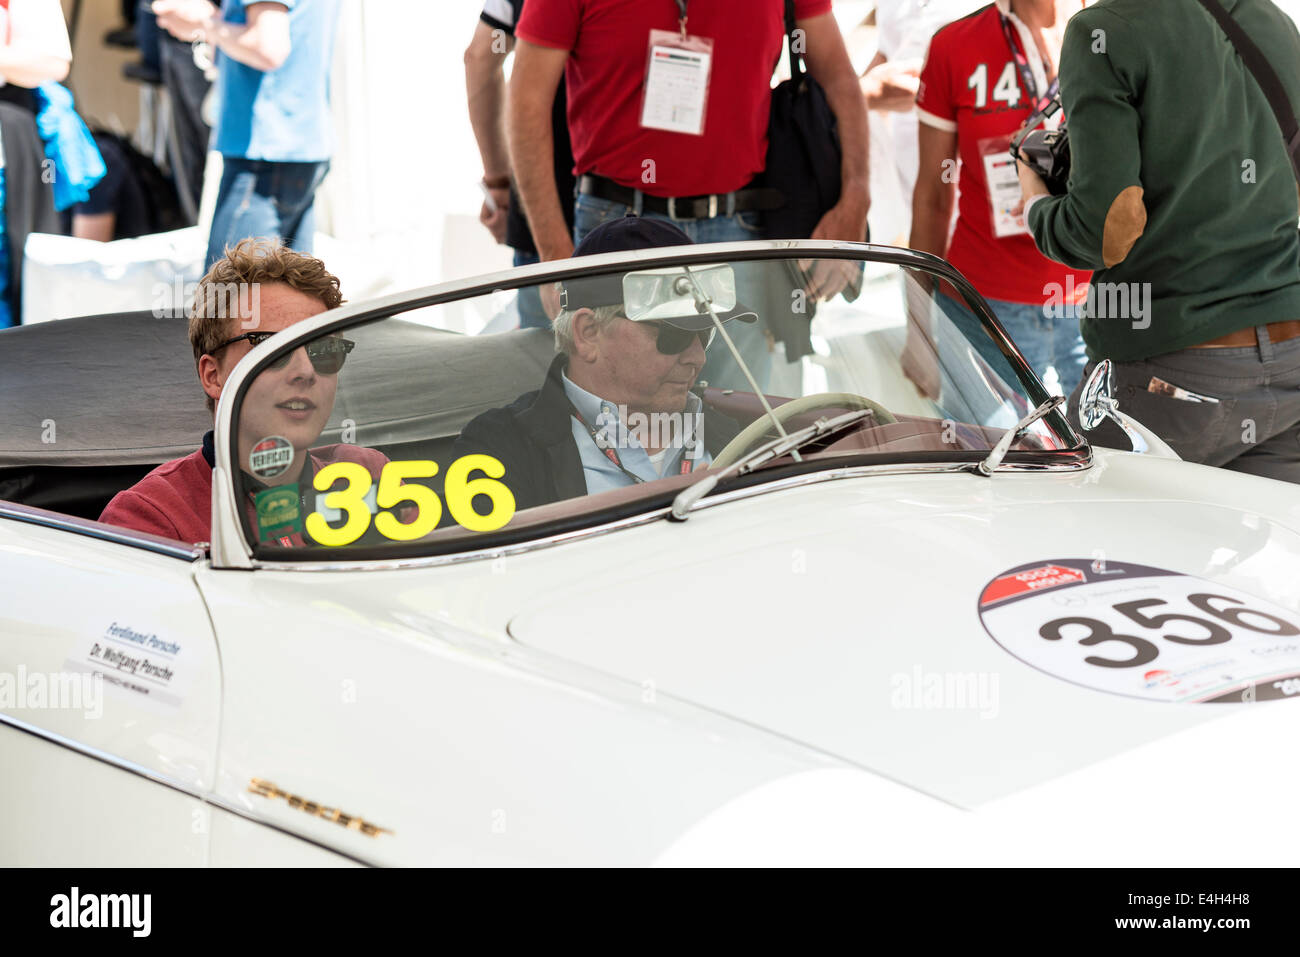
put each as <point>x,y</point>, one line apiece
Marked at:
<point>761,428</point>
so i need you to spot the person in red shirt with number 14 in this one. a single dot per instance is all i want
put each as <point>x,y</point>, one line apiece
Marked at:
<point>984,76</point>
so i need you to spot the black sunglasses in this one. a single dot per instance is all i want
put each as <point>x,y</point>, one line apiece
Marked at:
<point>673,341</point>
<point>326,355</point>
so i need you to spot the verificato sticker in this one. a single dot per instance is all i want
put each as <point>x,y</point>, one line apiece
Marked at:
<point>1144,632</point>
<point>271,457</point>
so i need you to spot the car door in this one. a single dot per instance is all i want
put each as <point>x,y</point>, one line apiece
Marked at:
<point>110,685</point>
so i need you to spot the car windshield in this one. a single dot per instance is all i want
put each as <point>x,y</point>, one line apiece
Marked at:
<point>445,426</point>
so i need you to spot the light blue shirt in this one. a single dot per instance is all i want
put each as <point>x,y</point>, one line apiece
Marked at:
<point>684,433</point>
<point>282,116</point>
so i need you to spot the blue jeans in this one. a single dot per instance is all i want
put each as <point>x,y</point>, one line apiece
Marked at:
<point>529,303</point>
<point>264,200</point>
<point>977,383</point>
<point>1045,341</point>
<point>720,368</point>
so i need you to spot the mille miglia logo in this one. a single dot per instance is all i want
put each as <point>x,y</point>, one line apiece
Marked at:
<point>351,822</point>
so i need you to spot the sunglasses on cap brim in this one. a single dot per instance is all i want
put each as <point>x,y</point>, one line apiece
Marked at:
<point>327,355</point>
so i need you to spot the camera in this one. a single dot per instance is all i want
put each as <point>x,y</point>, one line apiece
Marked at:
<point>1046,152</point>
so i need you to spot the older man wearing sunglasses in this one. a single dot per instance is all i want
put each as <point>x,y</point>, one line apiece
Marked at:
<point>262,287</point>
<point>617,408</point>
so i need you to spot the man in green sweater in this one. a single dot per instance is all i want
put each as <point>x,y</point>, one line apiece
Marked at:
<point>1183,199</point>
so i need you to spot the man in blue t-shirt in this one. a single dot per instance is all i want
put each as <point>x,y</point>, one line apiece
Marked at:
<point>273,125</point>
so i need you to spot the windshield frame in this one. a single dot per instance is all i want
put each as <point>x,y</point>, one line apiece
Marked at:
<point>234,542</point>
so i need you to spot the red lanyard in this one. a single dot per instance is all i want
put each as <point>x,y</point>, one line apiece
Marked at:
<point>1027,74</point>
<point>611,453</point>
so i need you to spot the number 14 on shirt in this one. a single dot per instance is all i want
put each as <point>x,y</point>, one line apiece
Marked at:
<point>1007,89</point>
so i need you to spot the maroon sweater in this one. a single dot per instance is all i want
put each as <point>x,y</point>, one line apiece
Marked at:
<point>175,499</point>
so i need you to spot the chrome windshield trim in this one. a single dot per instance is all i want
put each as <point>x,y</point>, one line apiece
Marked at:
<point>107,533</point>
<point>230,546</point>
<point>205,797</point>
<point>632,521</point>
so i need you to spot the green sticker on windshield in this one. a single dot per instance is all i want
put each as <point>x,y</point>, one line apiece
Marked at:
<point>278,513</point>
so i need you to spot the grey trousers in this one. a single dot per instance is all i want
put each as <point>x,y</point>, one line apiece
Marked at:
<point>188,150</point>
<point>1253,427</point>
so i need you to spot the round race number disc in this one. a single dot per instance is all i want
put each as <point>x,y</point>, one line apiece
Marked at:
<point>1144,632</point>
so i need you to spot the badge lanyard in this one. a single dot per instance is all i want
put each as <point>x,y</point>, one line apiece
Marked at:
<point>611,453</point>
<point>1027,74</point>
<point>675,92</point>
<point>1000,175</point>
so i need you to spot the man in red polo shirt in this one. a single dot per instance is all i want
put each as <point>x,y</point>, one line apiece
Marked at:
<point>284,411</point>
<point>669,100</point>
<point>985,75</point>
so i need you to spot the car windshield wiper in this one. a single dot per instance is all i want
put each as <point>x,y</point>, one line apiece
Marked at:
<point>690,496</point>
<point>994,459</point>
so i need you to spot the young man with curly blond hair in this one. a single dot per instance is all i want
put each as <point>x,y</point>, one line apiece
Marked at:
<point>256,290</point>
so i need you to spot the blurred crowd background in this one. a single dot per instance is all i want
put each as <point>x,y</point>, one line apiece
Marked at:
<point>400,206</point>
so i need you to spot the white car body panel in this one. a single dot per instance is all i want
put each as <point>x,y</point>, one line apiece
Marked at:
<point>468,750</point>
<point>77,587</point>
<point>529,734</point>
<point>1220,794</point>
<point>435,642</point>
<point>239,841</point>
<point>65,809</point>
<point>841,602</point>
<point>584,699</point>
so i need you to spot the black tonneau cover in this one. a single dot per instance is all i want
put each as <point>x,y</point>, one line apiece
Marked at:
<point>97,401</point>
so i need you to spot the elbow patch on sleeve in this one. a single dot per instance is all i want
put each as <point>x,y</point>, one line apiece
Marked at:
<point>1125,222</point>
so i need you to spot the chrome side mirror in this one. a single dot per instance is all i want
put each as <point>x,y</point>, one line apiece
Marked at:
<point>1097,403</point>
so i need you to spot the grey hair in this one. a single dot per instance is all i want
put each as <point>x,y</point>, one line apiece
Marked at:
<point>563,325</point>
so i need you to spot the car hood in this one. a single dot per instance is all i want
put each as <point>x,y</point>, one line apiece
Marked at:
<point>847,617</point>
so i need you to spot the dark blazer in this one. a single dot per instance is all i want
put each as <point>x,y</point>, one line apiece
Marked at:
<point>533,438</point>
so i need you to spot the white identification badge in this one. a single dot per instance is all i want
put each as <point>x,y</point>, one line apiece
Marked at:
<point>138,662</point>
<point>1004,187</point>
<point>676,92</point>
<point>1144,632</point>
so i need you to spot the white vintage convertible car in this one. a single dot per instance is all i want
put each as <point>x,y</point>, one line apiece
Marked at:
<point>867,622</point>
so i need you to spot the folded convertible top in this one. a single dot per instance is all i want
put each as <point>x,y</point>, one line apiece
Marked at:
<point>121,389</point>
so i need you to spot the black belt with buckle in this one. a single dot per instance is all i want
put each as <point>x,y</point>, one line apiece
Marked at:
<point>683,207</point>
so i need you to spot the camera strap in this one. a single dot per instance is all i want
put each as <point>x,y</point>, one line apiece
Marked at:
<point>1045,112</point>
<point>1265,76</point>
<point>1026,72</point>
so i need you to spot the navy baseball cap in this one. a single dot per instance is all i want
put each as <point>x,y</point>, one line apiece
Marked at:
<point>630,232</point>
<point>621,235</point>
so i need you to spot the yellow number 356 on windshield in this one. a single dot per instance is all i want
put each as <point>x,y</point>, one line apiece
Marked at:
<point>458,488</point>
